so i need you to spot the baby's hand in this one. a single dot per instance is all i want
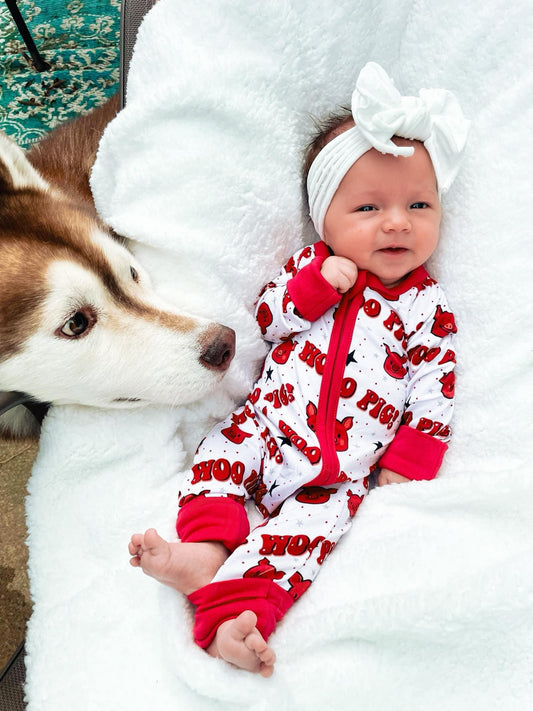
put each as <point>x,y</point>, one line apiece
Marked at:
<point>340,272</point>
<point>386,476</point>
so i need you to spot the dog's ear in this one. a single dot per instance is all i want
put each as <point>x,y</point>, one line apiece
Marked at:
<point>16,172</point>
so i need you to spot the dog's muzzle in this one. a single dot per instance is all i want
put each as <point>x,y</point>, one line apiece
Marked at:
<point>218,347</point>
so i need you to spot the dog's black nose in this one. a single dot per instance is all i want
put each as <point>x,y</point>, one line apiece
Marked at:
<point>218,347</point>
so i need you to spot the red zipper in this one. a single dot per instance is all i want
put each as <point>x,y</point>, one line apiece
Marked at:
<point>332,377</point>
<point>335,365</point>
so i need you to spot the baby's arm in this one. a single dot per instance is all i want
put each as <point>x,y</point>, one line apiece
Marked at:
<point>299,295</point>
<point>421,440</point>
<point>340,272</point>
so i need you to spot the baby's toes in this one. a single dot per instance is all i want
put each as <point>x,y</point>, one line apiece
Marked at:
<point>244,626</point>
<point>266,670</point>
<point>267,655</point>
<point>267,660</point>
<point>135,545</point>
<point>153,542</point>
<point>136,540</point>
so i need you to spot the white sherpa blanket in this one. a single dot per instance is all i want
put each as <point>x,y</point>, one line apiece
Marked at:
<point>427,604</point>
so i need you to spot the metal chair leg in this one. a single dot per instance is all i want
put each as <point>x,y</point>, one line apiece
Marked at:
<point>38,62</point>
<point>12,680</point>
<point>132,13</point>
<point>12,399</point>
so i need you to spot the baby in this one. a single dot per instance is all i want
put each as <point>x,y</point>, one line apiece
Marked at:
<point>359,377</point>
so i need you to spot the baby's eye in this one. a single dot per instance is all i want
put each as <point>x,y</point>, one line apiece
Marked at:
<point>419,205</point>
<point>365,208</point>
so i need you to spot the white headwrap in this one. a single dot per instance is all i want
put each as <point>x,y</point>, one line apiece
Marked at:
<point>381,112</point>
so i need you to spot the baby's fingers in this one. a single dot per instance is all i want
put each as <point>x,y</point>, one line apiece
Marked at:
<point>347,275</point>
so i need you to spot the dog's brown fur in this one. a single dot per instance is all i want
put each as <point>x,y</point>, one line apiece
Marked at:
<point>66,156</point>
<point>35,223</point>
<point>47,217</point>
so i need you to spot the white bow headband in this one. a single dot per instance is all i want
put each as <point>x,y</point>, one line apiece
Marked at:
<point>381,112</point>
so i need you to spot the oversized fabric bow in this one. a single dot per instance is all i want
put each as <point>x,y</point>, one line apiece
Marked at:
<point>434,117</point>
<point>381,112</point>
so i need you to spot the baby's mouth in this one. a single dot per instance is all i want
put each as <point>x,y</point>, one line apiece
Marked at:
<point>393,250</point>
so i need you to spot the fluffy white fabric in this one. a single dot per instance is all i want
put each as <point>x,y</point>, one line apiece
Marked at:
<point>427,604</point>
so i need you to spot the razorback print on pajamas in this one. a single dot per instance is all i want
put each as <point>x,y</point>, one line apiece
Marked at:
<point>351,383</point>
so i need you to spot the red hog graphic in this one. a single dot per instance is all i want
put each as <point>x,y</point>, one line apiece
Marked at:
<point>259,493</point>
<point>311,411</point>
<point>252,482</point>
<point>264,569</point>
<point>298,585</point>
<point>290,267</point>
<point>264,317</point>
<point>305,254</point>
<point>395,364</point>
<point>281,353</point>
<point>354,501</point>
<point>448,385</point>
<point>443,323</point>
<point>235,434</point>
<point>315,495</point>
<point>341,427</point>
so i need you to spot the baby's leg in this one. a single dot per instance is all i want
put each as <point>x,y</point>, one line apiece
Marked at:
<point>261,579</point>
<point>239,642</point>
<point>290,548</point>
<point>183,566</point>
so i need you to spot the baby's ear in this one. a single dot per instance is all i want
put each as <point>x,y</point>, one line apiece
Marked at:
<point>16,171</point>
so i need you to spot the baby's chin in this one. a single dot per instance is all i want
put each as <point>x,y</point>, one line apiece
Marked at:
<point>391,280</point>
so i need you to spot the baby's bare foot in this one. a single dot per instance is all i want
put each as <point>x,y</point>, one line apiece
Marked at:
<point>239,642</point>
<point>183,566</point>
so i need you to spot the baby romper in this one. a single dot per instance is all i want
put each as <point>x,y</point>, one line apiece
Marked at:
<point>351,383</point>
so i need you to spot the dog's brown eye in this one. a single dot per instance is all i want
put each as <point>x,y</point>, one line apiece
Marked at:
<point>76,325</point>
<point>134,274</point>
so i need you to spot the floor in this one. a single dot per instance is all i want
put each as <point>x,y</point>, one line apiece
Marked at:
<point>16,459</point>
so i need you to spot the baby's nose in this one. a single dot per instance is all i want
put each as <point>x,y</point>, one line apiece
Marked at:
<point>396,220</point>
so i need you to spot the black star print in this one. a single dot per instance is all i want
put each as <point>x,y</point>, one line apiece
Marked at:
<point>378,445</point>
<point>269,374</point>
<point>274,486</point>
<point>350,358</point>
<point>284,440</point>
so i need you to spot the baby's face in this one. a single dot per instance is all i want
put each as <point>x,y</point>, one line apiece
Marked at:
<point>385,215</point>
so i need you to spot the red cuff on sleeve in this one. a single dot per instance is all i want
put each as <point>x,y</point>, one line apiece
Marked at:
<point>225,600</point>
<point>311,293</point>
<point>216,518</point>
<point>414,454</point>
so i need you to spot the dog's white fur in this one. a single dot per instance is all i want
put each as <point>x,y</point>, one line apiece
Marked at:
<point>123,357</point>
<point>22,173</point>
<point>93,331</point>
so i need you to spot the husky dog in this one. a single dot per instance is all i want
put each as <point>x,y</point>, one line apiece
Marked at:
<point>79,321</point>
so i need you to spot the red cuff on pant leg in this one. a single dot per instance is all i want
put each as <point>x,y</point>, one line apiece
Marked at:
<point>225,600</point>
<point>217,518</point>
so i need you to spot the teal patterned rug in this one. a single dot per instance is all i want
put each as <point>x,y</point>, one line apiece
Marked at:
<point>80,40</point>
